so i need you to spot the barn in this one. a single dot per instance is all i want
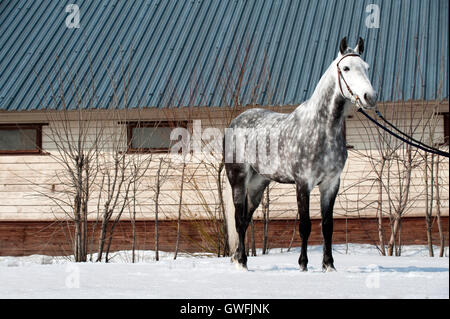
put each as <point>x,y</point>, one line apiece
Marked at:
<point>95,88</point>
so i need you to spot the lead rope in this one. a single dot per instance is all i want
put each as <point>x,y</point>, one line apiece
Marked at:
<point>404,134</point>
<point>425,147</point>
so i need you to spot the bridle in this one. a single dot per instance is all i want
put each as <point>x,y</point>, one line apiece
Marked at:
<point>341,76</point>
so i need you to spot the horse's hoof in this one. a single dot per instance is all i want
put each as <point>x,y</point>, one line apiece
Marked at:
<point>303,262</point>
<point>328,268</point>
<point>239,263</point>
<point>240,266</point>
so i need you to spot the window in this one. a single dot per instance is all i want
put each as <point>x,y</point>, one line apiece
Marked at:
<point>446,123</point>
<point>344,132</point>
<point>20,139</point>
<point>151,136</point>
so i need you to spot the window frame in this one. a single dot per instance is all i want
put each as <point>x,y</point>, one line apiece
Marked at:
<point>446,128</point>
<point>344,133</point>
<point>164,123</point>
<point>24,126</point>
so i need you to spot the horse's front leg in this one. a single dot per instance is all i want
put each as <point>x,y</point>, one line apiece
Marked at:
<point>303,193</point>
<point>328,193</point>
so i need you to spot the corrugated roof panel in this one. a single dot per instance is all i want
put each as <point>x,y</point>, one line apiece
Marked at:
<point>154,53</point>
<point>443,54</point>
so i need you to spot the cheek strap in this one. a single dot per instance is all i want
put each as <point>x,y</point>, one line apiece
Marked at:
<point>341,76</point>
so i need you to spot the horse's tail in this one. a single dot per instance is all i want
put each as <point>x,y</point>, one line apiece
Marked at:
<point>233,238</point>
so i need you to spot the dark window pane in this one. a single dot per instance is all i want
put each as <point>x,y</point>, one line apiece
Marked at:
<point>151,138</point>
<point>446,128</point>
<point>18,140</point>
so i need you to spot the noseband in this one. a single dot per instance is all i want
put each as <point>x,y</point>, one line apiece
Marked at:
<point>341,76</point>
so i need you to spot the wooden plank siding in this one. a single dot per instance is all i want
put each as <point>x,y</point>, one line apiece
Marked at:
<point>22,178</point>
<point>21,238</point>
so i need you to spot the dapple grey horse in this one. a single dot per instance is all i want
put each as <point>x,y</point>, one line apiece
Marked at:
<point>307,149</point>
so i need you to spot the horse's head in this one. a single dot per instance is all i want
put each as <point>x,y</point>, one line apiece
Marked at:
<point>352,78</point>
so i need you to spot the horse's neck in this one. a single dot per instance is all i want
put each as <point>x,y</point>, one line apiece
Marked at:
<point>326,105</point>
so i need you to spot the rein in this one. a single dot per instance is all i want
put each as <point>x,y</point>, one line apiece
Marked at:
<point>417,144</point>
<point>411,141</point>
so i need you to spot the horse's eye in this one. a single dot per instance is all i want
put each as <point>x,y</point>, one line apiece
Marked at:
<point>346,68</point>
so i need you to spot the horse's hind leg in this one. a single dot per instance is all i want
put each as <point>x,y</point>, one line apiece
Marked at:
<point>247,187</point>
<point>238,175</point>
<point>328,193</point>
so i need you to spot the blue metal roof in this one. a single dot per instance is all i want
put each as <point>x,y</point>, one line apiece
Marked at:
<point>165,52</point>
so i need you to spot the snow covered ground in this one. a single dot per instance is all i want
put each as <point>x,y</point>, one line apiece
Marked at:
<point>362,273</point>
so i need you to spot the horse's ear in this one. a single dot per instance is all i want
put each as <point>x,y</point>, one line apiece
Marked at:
<point>360,47</point>
<point>343,45</point>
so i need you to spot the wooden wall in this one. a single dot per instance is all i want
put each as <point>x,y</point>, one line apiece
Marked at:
<point>24,179</point>
<point>53,238</point>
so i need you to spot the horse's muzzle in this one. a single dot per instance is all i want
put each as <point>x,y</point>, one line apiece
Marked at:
<point>370,100</point>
